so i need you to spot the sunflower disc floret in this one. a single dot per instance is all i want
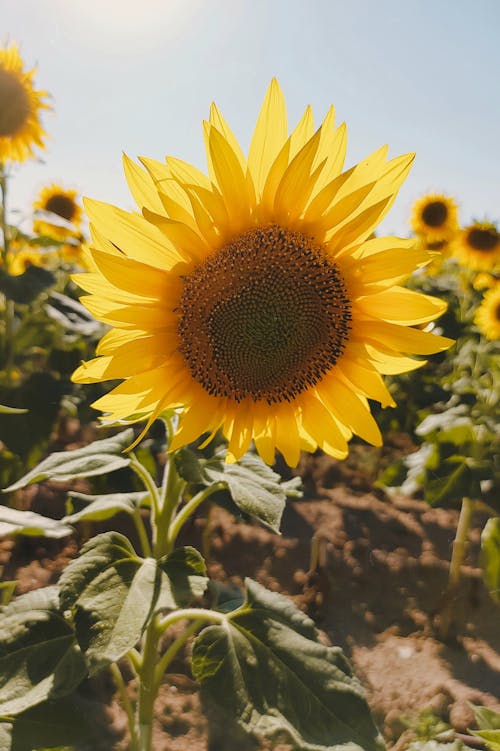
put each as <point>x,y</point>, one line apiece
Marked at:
<point>256,300</point>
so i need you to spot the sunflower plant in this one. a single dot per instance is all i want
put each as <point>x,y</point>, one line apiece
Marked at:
<point>252,310</point>
<point>453,407</point>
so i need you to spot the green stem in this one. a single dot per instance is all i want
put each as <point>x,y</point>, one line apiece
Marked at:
<point>147,687</point>
<point>8,313</point>
<point>171,492</point>
<point>173,650</point>
<point>191,614</point>
<point>190,507</point>
<point>149,484</point>
<point>457,557</point>
<point>126,703</point>
<point>141,531</point>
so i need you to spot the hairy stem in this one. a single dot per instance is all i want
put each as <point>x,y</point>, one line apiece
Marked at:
<point>457,557</point>
<point>147,687</point>
<point>126,703</point>
<point>190,507</point>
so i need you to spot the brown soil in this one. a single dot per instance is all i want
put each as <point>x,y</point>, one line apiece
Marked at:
<point>370,570</point>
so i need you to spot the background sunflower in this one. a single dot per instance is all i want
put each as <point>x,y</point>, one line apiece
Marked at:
<point>434,218</point>
<point>20,105</point>
<point>478,246</point>
<point>62,203</point>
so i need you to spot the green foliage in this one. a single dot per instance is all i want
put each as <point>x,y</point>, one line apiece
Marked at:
<point>39,656</point>
<point>266,670</point>
<point>112,593</point>
<point>97,458</point>
<point>250,484</point>
<point>13,522</point>
<point>83,507</point>
<point>490,557</point>
<point>488,723</point>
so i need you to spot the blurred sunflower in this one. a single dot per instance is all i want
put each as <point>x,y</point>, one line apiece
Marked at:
<point>434,218</point>
<point>255,300</point>
<point>20,258</point>
<point>20,105</point>
<point>62,202</point>
<point>487,316</point>
<point>478,246</point>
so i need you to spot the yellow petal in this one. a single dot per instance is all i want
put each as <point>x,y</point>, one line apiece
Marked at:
<point>295,186</point>
<point>125,272</point>
<point>350,409</point>
<point>218,121</point>
<point>400,305</point>
<point>365,380</point>
<point>269,136</point>
<point>404,338</point>
<point>141,185</point>
<point>136,237</point>
<point>185,240</point>
<point>230,178</point>
<point>302,132</point>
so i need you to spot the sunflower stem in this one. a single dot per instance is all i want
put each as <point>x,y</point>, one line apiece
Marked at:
<point>8,311</point>
<point>457,557</point>
<point>126,703</point>
<point>190,507</point>
<point>147,687</point>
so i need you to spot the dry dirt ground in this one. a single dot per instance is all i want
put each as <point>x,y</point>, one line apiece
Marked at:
<point>369,569</point>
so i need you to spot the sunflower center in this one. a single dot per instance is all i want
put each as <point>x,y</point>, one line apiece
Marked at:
<point>483,238</point>
<point>61,205</point>
<point>14,104</point>
<point>435,214</point>
<point>265,317</point>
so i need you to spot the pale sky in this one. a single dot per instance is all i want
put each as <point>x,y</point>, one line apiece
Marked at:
<point>420,75</point>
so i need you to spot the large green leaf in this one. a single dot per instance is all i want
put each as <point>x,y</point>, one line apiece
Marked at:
<point>486,719</point>
<point>490,557</point>
<point>99,507</point>
<point>113,593</point>
<point>184,578</point>
<point>265,669</point>
<point>62,724</point>
<point>97,458</point>
<point>491,738</point>
<point>253,486</point>
<point>39,657</point>
<point>28,523</point>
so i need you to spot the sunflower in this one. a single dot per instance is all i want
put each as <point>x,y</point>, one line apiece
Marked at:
<point>20,258</point>
<point>478,246</point>
<point>255,299</point>
<point>434,218</point>
<point>20,105</point>
<point>487,316</point>
<point>62,203</point>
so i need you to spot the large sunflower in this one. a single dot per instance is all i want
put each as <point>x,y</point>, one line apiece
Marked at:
<point>252,299</point>
<point>20,105</point>
<point>435,219</point>
<point>478,246</point>
<point>62,203</point>
<point>487,316</point>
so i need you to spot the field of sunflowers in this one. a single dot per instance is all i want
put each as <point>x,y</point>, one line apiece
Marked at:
<point>248,452</point>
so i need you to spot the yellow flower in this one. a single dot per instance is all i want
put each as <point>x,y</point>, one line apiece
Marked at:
<point>254,300</point>
<point>20,105</point>
<point>483,280</point>
<point>434,217</point>
<point>487,316</point>
<point>20,257</point>
<point>61,202</point>
<point>478,246</point>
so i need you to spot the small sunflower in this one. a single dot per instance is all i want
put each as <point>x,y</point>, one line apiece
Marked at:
<point>20,105</point>
<point>20,258</point>
<point>478,246</point>
<point>487,316</point>
<point>62,203</point>
<point>434,218</point>
<point>256,300</point>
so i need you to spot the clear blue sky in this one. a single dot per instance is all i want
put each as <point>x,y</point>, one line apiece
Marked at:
<point>420,75</point>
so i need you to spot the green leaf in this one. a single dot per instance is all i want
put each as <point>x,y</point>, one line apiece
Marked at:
<point>266,670</point>
<point>490,557</point>
<point>98,458</point>
<point>14,522</point>
<point>39,657</point>
<point>184,578</point>
<point>491,738</point>
<point>253,486</point>
<point>25,287</point>
<point>55,724</point>
<point>11,410</point>
<point>112,592</point>
<point>7,589</point>
<point>99,507</point>
<point>486,719</point>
